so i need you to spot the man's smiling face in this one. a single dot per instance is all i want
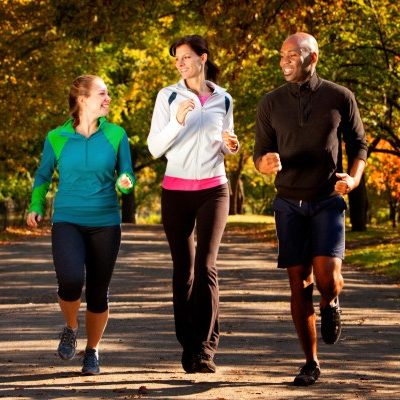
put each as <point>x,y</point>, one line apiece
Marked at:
<point>296,61</point>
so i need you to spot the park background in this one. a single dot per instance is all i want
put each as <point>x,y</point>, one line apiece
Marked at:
<point>44,45</point>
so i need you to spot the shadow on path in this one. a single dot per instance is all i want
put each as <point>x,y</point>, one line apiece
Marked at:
<point>259,353</point>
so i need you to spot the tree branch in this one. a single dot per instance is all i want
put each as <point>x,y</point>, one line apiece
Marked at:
<point>387,151</point>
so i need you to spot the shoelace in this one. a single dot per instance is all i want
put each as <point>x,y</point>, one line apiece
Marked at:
<point>90,359</point>
<point>308,369</point>
<point>335,314</point>
<point>205,357</point>
<point>68,337</point>
<point>333,311</point>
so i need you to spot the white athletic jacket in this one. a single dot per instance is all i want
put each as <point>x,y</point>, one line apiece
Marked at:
<point>194,150</point>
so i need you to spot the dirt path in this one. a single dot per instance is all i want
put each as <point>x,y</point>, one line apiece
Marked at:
<point>259,353</point>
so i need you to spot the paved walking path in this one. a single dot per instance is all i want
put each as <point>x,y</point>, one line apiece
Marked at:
<point>140,357</point>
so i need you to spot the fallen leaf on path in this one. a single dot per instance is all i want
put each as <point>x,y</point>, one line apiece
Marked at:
<point>143,390</point>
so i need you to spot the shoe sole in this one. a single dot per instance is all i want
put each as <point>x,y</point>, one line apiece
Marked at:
<point>189,364</point>
<point>302,383</point>
<point>326,337</point>
<point>89,373</point>
<point>190,371</point>
<point>206,369</point>
<point>66,358</point>
<point>330,340</point>
<point>306,380</point>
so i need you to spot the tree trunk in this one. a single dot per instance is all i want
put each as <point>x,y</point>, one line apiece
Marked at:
<point>358,203</point>
<point>236,189</point>
<point>236,198</point>
<point>4,214</point>
<point>393,212</point>
<point>398,216</point>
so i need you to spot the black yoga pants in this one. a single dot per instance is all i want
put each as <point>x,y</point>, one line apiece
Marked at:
<point>195,279</point>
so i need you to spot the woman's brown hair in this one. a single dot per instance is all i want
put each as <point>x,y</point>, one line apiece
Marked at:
<point>80,87</point>
<point>199,45</point>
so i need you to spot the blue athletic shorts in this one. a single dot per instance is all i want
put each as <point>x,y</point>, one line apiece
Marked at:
<point>306,229</point>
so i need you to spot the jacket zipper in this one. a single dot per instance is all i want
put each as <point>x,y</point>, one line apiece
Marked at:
<point>300,109</point>
<point>200,134</point>
<point>86,152</point>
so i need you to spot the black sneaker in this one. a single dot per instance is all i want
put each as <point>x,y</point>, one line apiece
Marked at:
<point>67,346</point>
<point>205,363</point>
<point>331,326</point>
<point>189,361</point>
<point>91,364</point>
<point>308,374</point>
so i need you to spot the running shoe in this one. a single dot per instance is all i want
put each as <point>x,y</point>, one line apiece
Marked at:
<point>308,374</point>
<point>91,364</point>
<point>67,346</point>
<point>331,326</point>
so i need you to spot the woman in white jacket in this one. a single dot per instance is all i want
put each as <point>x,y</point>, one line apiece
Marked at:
<point>192,126</point>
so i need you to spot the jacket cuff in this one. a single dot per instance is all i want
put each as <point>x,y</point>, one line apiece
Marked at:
<point>131,177</point>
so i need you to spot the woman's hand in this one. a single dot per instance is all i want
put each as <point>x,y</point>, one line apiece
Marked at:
<point>33,219</point>
<point>231,141</point>
<point>183,109</point>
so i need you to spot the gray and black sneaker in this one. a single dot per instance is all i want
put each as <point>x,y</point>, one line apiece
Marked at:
<point>308,374</point>
<point>67,346</point>
<point>331,326</point>
<point>205,364</point>
<point>90,363</point>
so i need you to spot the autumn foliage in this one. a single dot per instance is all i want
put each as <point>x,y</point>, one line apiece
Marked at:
<point>384,178</point>
<point>44,45</point>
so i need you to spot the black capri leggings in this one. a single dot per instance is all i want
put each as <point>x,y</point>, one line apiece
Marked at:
<point>76,247</point>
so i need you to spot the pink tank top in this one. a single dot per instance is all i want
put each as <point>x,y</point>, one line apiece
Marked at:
<point>204,98</point>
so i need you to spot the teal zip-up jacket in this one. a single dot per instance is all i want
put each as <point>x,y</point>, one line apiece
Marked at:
<point>88,169</point>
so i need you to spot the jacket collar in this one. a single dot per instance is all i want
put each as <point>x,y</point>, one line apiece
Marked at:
<point>216,89</point>
<point>311,85</point>
<point>68,128</point>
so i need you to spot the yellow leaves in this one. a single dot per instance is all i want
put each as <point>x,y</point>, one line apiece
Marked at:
<point>166,21</point>
<point>147,176</point>
<point>134,140</point>
<point>9,79</point>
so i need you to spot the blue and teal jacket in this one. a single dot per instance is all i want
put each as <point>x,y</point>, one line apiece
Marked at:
<point>88,169</point>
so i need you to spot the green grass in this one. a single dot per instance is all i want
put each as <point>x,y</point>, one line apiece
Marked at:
<point>383,233</point>
<point>257,226</point>
<point>376,250</point>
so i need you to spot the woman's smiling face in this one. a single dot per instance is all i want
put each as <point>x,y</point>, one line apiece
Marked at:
<point>98,101</point>
<point>188,63</point>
